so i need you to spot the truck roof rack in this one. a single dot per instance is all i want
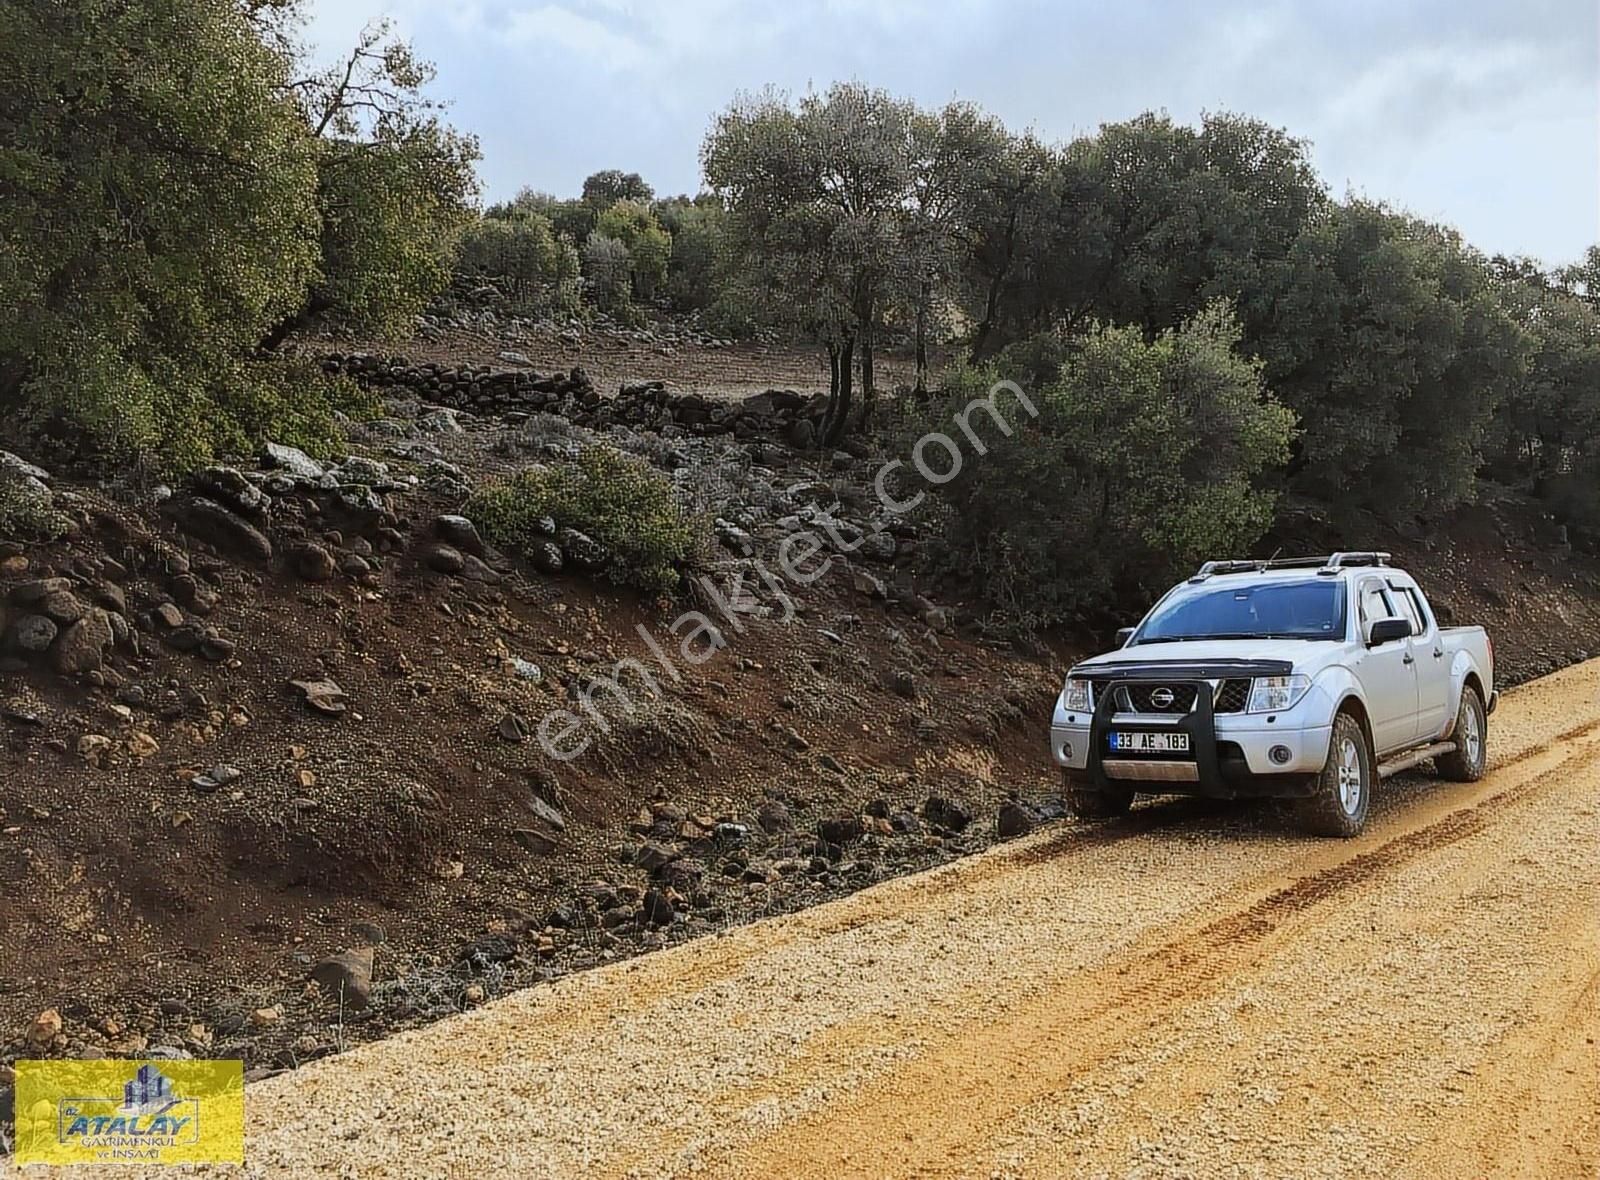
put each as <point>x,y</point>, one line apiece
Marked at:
<point>1331,564</point>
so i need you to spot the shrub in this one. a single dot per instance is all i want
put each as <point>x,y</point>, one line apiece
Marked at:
<point>1142,460</point>
<point>649,247</point>
<point>616,499</point>
<point>26,513</point>
<point>535,269</point>
<point>608,268</point>
<point>699,249</point>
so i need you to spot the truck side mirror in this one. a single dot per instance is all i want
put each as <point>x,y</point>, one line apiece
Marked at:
<point>1123,635</point>
<point>1386,630</point>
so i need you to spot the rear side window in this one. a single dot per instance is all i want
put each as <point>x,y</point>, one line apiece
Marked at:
<point>1408,609</point>
<point>1421,608</point>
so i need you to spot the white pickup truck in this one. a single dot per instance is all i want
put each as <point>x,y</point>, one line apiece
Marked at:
<point>1303,678</point>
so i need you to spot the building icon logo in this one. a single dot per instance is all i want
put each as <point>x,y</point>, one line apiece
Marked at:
<point>149,1093</point>
<point>147,1112</point>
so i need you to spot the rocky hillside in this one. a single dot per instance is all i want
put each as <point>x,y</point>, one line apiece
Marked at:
<point>274,779</point>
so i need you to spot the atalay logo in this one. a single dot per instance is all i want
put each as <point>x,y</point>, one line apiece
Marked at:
<point>164,1112</point>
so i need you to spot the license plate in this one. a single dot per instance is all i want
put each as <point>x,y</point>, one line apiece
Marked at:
<point>1150,743</point>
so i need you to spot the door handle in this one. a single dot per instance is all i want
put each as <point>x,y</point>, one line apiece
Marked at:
<point>1408,659</point>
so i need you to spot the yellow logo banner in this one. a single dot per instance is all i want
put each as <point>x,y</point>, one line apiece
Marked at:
<point>144,1112</point>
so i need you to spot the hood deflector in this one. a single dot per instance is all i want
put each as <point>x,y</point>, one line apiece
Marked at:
<point>1180,669</point>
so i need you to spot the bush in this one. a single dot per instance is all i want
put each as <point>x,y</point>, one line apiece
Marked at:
<point>617,500</point>
<point>649,247</point>
<point>1141,462</point>
<point>699,250</point>
<point>535,269</point>
<point>608,269</point>
<point>155,223</point>
<point>26,513</point>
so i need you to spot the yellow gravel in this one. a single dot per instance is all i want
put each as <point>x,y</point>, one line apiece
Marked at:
<point>1195,991</point>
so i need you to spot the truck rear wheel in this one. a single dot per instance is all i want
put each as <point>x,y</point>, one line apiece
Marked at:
<point>1087,803</point>
<point>1465,763</point>
<point>1343,789</point>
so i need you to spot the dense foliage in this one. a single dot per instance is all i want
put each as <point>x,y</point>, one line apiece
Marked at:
<point>154,223</point>
<point>535,269</point>
<point>175,195</point>
<point>616,499</point>
<point>1144,457</point>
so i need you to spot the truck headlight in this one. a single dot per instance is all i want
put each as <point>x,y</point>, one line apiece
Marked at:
<point>1077,697</point>
<point>1274,694</point>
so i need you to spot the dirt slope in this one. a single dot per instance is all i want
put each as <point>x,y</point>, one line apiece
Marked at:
<point>1190,992</point>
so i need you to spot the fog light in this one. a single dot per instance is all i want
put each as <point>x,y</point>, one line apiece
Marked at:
<point>1066,751</point>
<point>1280,754</point>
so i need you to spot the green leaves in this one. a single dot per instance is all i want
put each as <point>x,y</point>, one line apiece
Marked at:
<point>649,248</point>
<point>174,196</point>
<point>537,271</point>
<point>158,220</point>
<point>1144,458</point>
<point>615,499</point>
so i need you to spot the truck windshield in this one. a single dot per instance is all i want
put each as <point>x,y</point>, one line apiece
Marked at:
<point>1262,610</point>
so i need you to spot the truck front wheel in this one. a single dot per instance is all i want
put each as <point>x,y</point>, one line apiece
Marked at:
<point>1343,790</point>
<point>1465,763</point>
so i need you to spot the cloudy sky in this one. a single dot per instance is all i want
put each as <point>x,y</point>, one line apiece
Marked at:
<point>1481,113</point>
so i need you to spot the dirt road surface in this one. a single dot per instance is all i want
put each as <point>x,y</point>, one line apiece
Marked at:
<point>1193,991</point>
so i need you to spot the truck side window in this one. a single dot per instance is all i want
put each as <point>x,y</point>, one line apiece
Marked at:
<point>1408,609</point>
<point>1422,607</point>
<point>1375,603</point>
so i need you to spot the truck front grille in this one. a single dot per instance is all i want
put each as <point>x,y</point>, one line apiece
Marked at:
<point>1232,696</point>
<point>1160,698</point>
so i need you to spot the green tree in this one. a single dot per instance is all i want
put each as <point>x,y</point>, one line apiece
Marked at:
<point>155,222</point>
<point>649,248</point>
<point>568,219</point>
<point>695,271</point>
<point>395,186</point>
<point>605,188</point>
<point>536,270</point>
<point>1144,457</point>
<point>1389,341</point>
<point>819,192</point>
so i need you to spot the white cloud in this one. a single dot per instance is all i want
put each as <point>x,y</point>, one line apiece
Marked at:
<point>562,29</point>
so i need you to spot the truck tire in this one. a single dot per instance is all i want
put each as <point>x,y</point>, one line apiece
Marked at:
<point>1465,763</point>
<point>1087,803</point>
<point>1343,788</point>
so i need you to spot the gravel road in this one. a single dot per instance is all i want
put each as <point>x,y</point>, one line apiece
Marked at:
<point>1194,991</point>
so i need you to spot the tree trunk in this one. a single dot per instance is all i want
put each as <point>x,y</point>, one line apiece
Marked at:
<point>869,388</point>
<point>922,342</point>
<point>991,303</point>
<point>837,420</point>
<point>315,304</point>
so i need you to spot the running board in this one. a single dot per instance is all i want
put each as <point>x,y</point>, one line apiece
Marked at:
<point>1407,761</point>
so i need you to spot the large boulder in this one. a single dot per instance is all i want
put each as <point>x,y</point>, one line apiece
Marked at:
<point>82,646</point>
<point>347,976</point>
<point>31,634</point>
<point>211,522</point>
<point>293,461</point>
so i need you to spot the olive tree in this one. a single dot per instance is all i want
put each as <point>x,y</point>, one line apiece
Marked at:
<point>820,190</point>
<point>1143,456</point>
<point>395,186</point>
<point>154,225</point>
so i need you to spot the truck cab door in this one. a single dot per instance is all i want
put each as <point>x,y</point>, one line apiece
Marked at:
<point>1388,672</point>
<point>1433,662</point>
